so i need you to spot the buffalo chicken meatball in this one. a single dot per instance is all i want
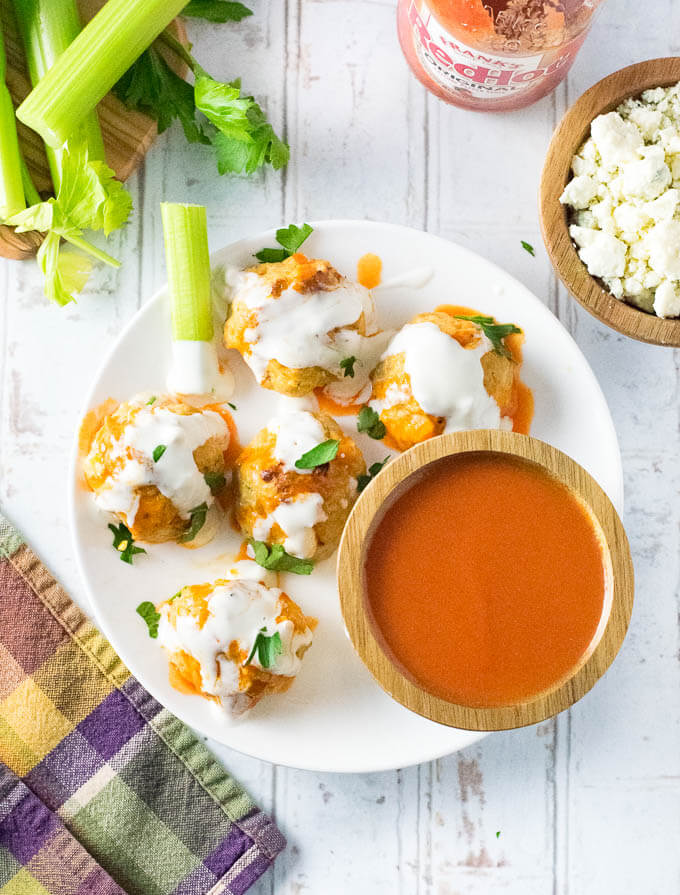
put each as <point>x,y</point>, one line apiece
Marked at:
<point>158,465</point>
<point>235,640</point>
<point>294,322</point>
<point>442,374</point>
<point>302,509</point>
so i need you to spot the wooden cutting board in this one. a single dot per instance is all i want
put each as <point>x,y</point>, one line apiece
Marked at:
<point>127,134</point>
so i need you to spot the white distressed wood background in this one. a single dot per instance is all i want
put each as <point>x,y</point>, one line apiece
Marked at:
<point>588,804</point>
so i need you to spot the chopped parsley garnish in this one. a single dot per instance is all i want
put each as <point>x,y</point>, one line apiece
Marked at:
<point>495,332</point>
<point>197,522</point>
<point>373,471</point>
<point>527,246</point>
<point>151,399</point>
<point>233,406</point>
<point>215,481</point>
<point>498,834</point>
<point>216,10</point>
<point>267,647</point>
<point>369,422</point>
<point>148,612</point>
<point>276,559</point>
<point>290,238</point>
<point>158,452</point>
<point>124,543</point>
<point>322,453</point>
<point>348,365</point>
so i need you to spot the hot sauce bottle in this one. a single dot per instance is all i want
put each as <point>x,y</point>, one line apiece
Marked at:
<point>493,55</point>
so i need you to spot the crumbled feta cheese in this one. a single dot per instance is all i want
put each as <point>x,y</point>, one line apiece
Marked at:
<point>647,178</point>
<point>663,208</point>
<point>629,219</point>
<point>647,120</point>
<point>667,300</point>
<point>625,196</point>
<point>663,244</point>
<point>603,254</point>
<point>580,191</point>
<point>583,166</point>
<point>655,95</point>
<point>616,140</point>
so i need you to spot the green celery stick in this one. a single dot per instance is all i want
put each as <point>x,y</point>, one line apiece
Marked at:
<point>47,28</point>
<point>86,71</point>
<point>185,230</point>
<point>12,198</point>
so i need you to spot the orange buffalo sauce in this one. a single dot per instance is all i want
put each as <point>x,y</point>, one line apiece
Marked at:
<point>485,580</point>
<point>369,270</point>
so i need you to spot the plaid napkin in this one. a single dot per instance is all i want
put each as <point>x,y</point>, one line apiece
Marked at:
<point>102,791</point>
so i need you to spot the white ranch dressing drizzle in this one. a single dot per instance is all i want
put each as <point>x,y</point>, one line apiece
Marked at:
<point>296,431</point>
<point>195,370</point>
<point>412,279</point>
<point>296,518</point>
<point>175,473</point>
<point>394,395</point>
<point>367,350</point>
<point>302,330</point>
<point>447,380</point>
<point>237,611</point>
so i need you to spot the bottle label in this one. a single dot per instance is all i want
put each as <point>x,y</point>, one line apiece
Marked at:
<point>458,67</point>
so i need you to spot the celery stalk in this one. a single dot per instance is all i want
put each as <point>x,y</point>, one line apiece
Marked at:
<point>98,57</point>
<point>185,230</point>
<point>30,192</point>
<point>47,28</point>
<point>11,183</point>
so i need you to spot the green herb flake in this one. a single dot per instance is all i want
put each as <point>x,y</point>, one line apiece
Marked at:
<point>215,481</point>
<point>218,11</point>
<point>495,332</point>
<point>158,452</point>
<point>197,521</point>
<point>124,543</point>
<point>233,406</point>
<point>369,422</point>
<point>322,453</point>
<point>151,400</point>
<point>174,596</point>
<point>291,238</point>
<point>148,612</point>
<point>527,246</point>
<point>275,559</point>
<point>348,365</point>
<point>267,647</point>
<point>373,471</point>
<point>498,834</point>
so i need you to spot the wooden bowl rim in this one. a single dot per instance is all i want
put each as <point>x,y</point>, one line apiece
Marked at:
<point>615,549</point>
<point>604,96</point>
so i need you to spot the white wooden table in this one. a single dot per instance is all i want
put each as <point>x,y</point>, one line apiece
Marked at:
<point>587,804</point>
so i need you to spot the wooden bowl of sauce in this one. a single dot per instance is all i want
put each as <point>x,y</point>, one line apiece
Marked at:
<point>485,580</point>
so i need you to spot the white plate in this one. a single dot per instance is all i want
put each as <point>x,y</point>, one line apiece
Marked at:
<point>335,717</point>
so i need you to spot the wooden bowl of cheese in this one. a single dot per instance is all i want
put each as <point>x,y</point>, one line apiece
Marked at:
<point>610,201</point>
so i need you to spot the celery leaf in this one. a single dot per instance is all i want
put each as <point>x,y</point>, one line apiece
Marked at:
<point>60,282</point>
<point>152,87</point>
<point>89,198</point>
<point>245,140</point>
<point>219,11</point>
<point>210,112</point>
